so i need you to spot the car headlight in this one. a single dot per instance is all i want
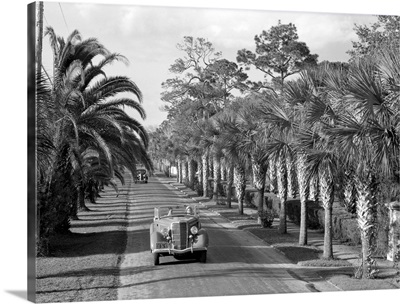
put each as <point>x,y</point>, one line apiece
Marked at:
<point>194,230</point>
<point>165,232</point>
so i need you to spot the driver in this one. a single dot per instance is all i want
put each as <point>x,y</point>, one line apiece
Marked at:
<point>189,210</point>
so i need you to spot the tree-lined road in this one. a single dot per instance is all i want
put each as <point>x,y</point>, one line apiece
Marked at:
<point>238,263</point>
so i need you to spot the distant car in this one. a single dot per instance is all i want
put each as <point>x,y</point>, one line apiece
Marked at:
<point>141,176</point>
<point>176,231</point>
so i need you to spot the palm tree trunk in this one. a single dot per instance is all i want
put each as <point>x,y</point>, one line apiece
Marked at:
<point>179,173</point>
<point>365,223</point>
<point>366,254</point>
<point>80,200</point>
<point>272,176</point>
<point>210,167</point>
<point>349,192</point>
<point>191,173</point>
<point>282,192</point>
<point>184,171</point>
<point>217,177</point>
<point>313,194</point>
<point>326,184</point>
<point>229,183</point>
<point>291,174</point>
<point>259,183</point>
<point>328,247</point>
<point>200,174</point>
<point>92,191</point>
<point>204,160</point>
<point>223,171</point>
<point>240,185</point>
<point>303,193</point>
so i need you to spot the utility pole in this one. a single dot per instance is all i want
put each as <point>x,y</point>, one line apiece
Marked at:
<point>38,70</point>
<point>39,35</point>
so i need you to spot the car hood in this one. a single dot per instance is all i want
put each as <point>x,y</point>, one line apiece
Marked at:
<point>174,219</point>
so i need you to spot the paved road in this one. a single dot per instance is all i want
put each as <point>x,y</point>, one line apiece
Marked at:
<point>238,263</point>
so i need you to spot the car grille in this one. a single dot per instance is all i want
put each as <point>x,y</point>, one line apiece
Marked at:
<point>179,235</point>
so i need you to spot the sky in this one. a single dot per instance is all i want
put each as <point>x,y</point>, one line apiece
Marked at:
<point>148,35</point>
<point>112,29</point>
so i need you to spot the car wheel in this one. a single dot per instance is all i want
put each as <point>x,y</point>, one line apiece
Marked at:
<point>156,259</point>
<point>203,257</point>
<point>146,182</point>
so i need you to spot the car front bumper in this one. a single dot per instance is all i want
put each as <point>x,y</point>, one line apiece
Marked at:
<point>179,251</point>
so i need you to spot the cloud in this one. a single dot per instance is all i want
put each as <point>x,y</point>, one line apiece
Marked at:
<point>85,10</point>
<point>321,32</point>
<point>128,18</point>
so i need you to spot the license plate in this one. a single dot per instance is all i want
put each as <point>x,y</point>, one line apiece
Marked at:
<point>161,245</point>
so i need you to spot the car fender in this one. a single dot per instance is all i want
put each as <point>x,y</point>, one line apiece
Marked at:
<point>155,236</point>
<point>201,239</point>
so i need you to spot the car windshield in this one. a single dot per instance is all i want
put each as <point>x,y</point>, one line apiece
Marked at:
<point>141,171</point>
<point>176,211</point>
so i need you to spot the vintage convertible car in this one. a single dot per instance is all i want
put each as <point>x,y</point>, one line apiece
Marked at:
<point>176,231</point>
<point>141,176</point>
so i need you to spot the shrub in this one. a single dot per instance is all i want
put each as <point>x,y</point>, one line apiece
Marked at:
<point>267,217</point>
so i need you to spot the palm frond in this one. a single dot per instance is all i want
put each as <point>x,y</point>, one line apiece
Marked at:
<point>325,162</point>
<point>49,31</point>
<point>365,88</point>
<point>319,111</point>
<point>111,86</point>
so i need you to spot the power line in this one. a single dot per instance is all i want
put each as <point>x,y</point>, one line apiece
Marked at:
<point>45,19</point>
<point>62,12</point>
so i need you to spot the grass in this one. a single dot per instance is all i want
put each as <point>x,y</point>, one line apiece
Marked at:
<point>352,284</point>
<point>325,263</point>
<point>82,267</point>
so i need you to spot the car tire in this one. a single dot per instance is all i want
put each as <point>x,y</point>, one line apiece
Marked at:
<point>156,259</point>
<point>203,257</point>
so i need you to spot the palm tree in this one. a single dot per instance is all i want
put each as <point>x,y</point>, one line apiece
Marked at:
<point>368,134</point>
<point>86,113</point>
<point>299,94</point>
<point>231,138</point>
<point>210,142</point>
<point>324,164</point>
<point>253,139</point>
<point>279,148</point>
<point>308,98</point>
